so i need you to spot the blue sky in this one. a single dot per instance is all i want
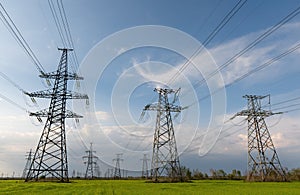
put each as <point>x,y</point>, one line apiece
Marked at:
<point>111,120</point>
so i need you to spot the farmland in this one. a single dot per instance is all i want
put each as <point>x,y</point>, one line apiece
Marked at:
<point>141,187</point>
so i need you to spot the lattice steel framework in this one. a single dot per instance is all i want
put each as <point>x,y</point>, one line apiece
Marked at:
<point>263,161</point>
<point>165,160</point>
<point>50,158</point>
<point>27,165</point>
<point>145,171</point>
<point>117,170</point>
<point>91,163</point>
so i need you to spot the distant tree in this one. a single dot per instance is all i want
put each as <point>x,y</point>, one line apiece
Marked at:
<point>235,174</point>
<point>205,176</point>
<point>294,174</point>
<point>213,173</point>
<point>221,174</point>
<point>197,174</point>
<point>186,173</point>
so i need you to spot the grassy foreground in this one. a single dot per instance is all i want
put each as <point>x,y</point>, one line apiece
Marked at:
<point>140,187</point>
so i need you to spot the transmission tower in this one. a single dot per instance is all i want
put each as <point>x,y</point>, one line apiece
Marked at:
<point>117,171</point>
<point>145,166</point>
<point>50,158</point>
<point>27,165</point>
<point>263,161</point>
<point>91,163</point>
<point>165,159</point>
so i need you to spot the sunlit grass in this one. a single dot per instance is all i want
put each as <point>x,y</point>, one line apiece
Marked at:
<point>141,187</point>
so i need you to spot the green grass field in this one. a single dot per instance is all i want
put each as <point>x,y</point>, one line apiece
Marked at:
<point>141,187</point>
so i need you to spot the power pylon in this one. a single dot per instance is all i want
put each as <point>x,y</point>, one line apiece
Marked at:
<point>145,166</point>
<point>91,162</point>
<point>117,171</point>
<point>165,159</point>
<point>27,165</point>
<point>263,161</point>
<point>50,158</point>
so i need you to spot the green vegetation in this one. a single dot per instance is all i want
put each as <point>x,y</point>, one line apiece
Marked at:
<point>141,187</point>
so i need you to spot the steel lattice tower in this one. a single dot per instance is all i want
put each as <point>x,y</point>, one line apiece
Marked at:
<point>117,171</point>
<point>263,161</point>
<point>27,165</point>
<point>50,158</point>
<point>91,163</point>
<point>145,166</point>
<point>165,159</point>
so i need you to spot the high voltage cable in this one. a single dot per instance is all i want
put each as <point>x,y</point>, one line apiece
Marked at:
<point>56,20</point>
<point>291,50</point>
<point>10,25</point>
<point>69,33</point>
<point>13,103</point>
<point>12,82</point>
<point>219,27</point>
<point>260,67</point>
<point>292,110</point>
<point>285,101</point>
<point>288,106</point>
<point>252,44</point>
<point>62,25</point>
<point>224,21</point>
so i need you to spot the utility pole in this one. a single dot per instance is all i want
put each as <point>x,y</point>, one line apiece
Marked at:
<point>145,173</point>
<point>263,161</point>
<point>117,172</point>
<point>165,159</point>
<point>50,158</point>
<point>27,165</point>
<point>91,162</point>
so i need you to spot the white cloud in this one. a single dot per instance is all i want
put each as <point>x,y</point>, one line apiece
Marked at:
<point>103,116</point>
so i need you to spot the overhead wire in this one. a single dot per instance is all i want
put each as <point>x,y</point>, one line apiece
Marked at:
<point>10,25</point>
<point>286,101</point>
<point>13,102</point>
<point>11,82</point>
<point>258,68</point>
<point>61,22</point>
<point>218,28</point>
<point>251,45</point>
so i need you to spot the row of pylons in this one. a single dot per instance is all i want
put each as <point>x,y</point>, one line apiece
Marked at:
<point>49,160</point>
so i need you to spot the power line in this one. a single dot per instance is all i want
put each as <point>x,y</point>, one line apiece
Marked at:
<point>271,61</point>
<point>286,101</point>
<point>252,44</point>
<point>281,108</point>
<point>260,67</point>
<point>13,103</point>
<point>292,110</point>
<point>224,21</point>
<point>12,28</point>
<point>63,27</point>
<point>11,82</point>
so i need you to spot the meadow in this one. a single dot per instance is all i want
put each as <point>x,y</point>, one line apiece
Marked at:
<point>141,187</point>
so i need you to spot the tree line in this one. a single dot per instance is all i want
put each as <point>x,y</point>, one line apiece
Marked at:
<point>215,174</point>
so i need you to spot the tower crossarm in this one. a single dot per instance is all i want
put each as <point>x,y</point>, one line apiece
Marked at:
<point>46,113</point>
<point>251,113</point>
<point>157,107</point>
<point>55,74</point>
<point>49,94</point>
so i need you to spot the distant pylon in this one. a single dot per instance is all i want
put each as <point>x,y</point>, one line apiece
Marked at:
<point>91,163</point>
<point>27,165</point>
<point>165,159</point>
<point>50,158</point>
<point>145,166</point>
<point>117,171</point>
<point>263,161</point>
